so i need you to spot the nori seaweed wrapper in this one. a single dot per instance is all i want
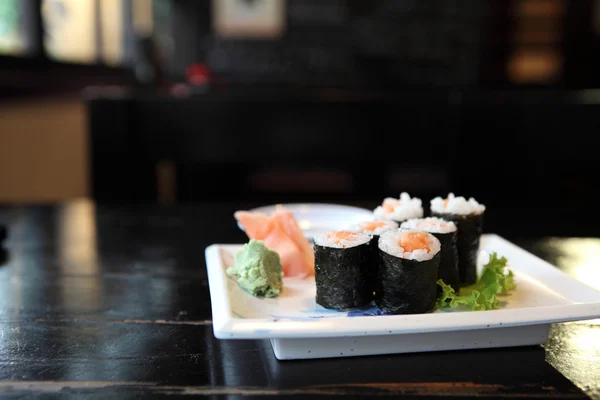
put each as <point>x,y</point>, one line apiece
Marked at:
<point>374,251</point>
<point>371,274</point>
<point>448,270</point>
<point>406,286</point>
<point>373,263</point>
<point>470,228</point>
<point>344,277</point>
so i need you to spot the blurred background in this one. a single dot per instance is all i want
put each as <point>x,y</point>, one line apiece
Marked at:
<point>183,101</point>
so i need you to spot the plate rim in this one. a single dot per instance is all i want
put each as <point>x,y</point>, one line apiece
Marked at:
<point>228,326</point>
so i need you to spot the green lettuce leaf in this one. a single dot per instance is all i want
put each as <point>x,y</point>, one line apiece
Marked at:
<point>495,280</point>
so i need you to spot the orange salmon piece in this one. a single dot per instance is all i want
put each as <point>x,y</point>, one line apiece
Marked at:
<point>412,241</point>
<point>389,205</point>
<point>372,225</point>
<point>337,236</point>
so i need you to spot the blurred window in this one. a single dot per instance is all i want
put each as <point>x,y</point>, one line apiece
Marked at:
<point>143,20</point>
<point>249,19</point>
<point>88,31</point>
<point>17,28</point>
<point>70,30</point>
<point>112,31</point>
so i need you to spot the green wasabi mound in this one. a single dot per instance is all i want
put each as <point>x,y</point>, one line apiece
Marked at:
<point>258,270</point>
<point>495,280</point>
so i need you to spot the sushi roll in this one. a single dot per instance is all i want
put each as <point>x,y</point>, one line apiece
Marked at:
<point>399,210</point>
<point>468,217</point>
<point>446,233</point>
<point>408,271</point>
<point>344,272</point>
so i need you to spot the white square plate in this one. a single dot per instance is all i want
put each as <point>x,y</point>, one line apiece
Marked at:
<point>299,328</point>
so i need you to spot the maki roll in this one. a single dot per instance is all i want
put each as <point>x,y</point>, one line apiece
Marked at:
<point>468,217</point>
<point>344,272</point>
<point>408,271</point>
<point>446,233</point>
<point>399,210</point>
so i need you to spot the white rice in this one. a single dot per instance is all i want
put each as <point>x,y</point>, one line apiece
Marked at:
<point>430,224</point>
<point>388,242</point>
<point>408,208</point>
<point>388,224</point>
<point>457,205</point>
<point>325,241</point>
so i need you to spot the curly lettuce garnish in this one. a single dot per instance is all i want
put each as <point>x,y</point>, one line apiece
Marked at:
<point>495,280</point>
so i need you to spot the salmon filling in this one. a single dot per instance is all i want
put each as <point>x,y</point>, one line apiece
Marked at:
<point>409,244</point>
<point>339,236</point>
<point>456,205</point>
<point>430,224</point>
<point>389,205</point>
<point>372,225</point>
<point>400,209</point>
<point>412,241</point>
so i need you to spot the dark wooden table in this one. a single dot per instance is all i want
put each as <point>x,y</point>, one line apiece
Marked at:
<point>113,302</point>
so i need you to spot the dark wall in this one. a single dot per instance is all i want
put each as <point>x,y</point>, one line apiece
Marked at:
<point>342,43</point>
<point>532,157</point>
<point>389,43</point>
<point>409,100</point>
